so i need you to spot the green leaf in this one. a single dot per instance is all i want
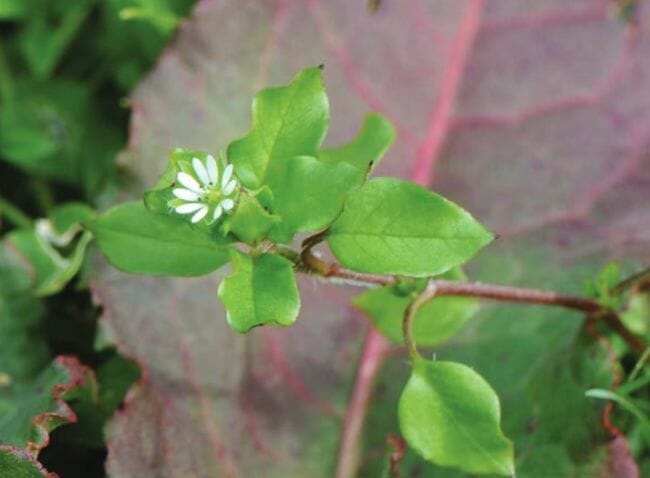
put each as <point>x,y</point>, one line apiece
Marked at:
<point>436,321</point>
<point>66,219</point>
<point>309,192</point>
<point>391,226</point>
<point>52,270</point>
<point>601,288</point>
<point>17,463</point>
<point>450,415</point>
<point>24,351</point>
<point>164,20</point>
<point>12,9</point>
<point>261,290</point>
<point>140,242</point>
<point>54,247</point>
<point>43,44</point>
<point>287,121</point>
<point>251,221</point>
<point>367,149</point>
<point>52,129</point>
<point>43,404</point>
<point>636,315</point>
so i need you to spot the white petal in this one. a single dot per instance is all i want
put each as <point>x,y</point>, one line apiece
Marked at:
<point>230,187</point>
<point>227,204</point>
<point>185,194</point>
<point>213,171</point>
<point>200,214</point>
<point>217,213</point>
<point>188,208</point>
<point>189,182</point>
<point>200,171</point>
<point>227,174</point>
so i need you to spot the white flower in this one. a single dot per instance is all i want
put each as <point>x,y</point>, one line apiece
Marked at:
<point>205,194</point>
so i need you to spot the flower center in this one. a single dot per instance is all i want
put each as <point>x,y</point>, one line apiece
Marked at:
<point>214,195</point>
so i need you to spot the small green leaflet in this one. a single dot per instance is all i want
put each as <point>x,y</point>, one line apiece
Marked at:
<point>391,226</point>
<point>140,242</point>
<point>366,150</point>
<point>450,415</point>
<point>44,246</point>
<point>282,151</point>
<point>435,321</point>
<point>310,191</point>
<point>260,290</point>
<point>287,121</point>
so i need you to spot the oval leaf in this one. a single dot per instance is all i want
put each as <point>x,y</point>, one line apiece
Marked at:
<point>287,121</point>
<point>310,191</point>
<point>435,321</point>
<point>137,241</point>
<point>450,415</point>
<point>261,290</point>
<point>391,226</point>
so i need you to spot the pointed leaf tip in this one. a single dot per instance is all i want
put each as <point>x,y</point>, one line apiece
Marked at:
<point>450,415</point>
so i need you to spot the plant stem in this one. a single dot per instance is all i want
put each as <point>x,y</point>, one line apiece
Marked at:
<point>639,278</point>
<point>429,292</point>
<point>501,293</point>
<point>13,214</point>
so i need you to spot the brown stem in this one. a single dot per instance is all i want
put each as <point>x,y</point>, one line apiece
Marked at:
<point>613,320</point>
<point>640,278</point>
<point>398,446</point>
<point>501,293</point>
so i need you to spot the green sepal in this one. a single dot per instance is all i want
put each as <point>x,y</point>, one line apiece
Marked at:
<point>261,290</point>
<point>158,197</point>
<point>450,415</point>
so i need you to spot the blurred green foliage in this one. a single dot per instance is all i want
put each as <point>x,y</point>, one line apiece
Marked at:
<point>66,70</point>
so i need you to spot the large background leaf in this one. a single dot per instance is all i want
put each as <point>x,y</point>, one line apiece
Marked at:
<point>535,116</point>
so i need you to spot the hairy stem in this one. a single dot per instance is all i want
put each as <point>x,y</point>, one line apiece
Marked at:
<point>501,293</point>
